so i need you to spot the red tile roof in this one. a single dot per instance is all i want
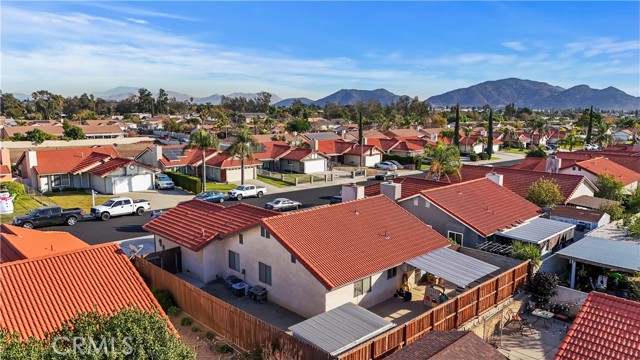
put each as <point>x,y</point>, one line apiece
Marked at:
<point>410,186</point>
<point>404,132</point>
<point>448,345</point>
<point>483,205</point>
<point>345,242</point>
<point>90,161</point>
<point>298,154</point>
<point>62,161</point>
<point>410,145</point>
<point>188,156</point>
<point>334,147</point>
<point>195,223</point>
<point>224,161</point>
<point>18,243</point>
<point>40,294</point>
<point>601,166</point>
<point>533,164</point>
<point>384,144</point>
<point>606,328</point>
<point>364,149</point>
<point>112,165</point>
<point>271,150</point>
<point>629,161</point>
<point>519,181</point>
<point>5,170</point>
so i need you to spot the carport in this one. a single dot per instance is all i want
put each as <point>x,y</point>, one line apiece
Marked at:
<point>545,233</point>
<point>453,266</point>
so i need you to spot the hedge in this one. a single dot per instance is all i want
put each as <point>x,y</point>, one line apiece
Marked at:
<point>186,182</point>
<point>404,160</point>
<point>473,157</point>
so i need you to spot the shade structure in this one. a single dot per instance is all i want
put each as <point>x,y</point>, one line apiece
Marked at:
<point>610,254</point>
<point>453,266</point>
<point>342,328</point>
<point>537,230</point>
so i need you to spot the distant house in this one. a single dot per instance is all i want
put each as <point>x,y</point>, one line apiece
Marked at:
<point>102,131</point>
<point>349,153</point>
<point>584,220</point>
<point>623,135</point>
<point>405,133</point>
<point>177,158</point>
<point>365,155</point>
<point>226,168</point>
<point>603,166</point>
<point>247,118</point>
<point>303,161</point>
<point>98,168</point>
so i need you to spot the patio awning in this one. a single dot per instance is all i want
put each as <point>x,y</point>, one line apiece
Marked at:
<point>610,254</point>
<point>453,266</point>
<point>537,230</point>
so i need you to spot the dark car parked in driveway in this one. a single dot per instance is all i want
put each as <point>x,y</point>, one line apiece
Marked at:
<point>49,216</point>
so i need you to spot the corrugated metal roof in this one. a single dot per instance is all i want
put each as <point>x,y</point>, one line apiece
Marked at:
<point>619,255</point>
<point>453,266</point>
<point>537,230</point>
<point>342,328</point>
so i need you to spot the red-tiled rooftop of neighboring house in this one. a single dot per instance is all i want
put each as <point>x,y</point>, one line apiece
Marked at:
<point>18,243</point>
<point>40,294</point>
<point>448,345</point>
<point>334,147</point>
<point>195,223</point>
<point>606,328</point>
<point>297,154</point>
<point>360,150</point>
<point>410,186</point>
<point>578,214</point>
<point>601,166</point>
<point>62,161</point>
<point>383,143</point>
<point>404,132</point>
<point>227,161</point>
<point>345,242</point>
<point>5,170</point>
<point>271,150</point>
<point>112,165</point>
<point>519,181</point>
<point>483,205</point>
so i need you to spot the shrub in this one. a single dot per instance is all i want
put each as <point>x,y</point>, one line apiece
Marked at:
<point>173,310</point>
<point>195,329</point>
<point>210,335</point>
<point>14,187</point>
<point>484,156</point>
<point>522,251</point>
<point>164,299</point>
<point>417,163</point>
<point>537,152</point>
<point>55,190</point>
<point>404,160</point>
<point>473,157</point>
<point>224,348</point>
<point>186,182</point>
<point>543,286</point>
<point>70,189</point>
<point>185,321</point>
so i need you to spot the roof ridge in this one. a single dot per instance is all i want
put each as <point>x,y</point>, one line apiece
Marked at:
<point>460,183</point>
<point>61,253</point>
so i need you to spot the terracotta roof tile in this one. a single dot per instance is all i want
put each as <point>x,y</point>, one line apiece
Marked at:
<point>383,143</point>
<point>62,161</point>
<point>345,242</point>
<point>94,159</point>
<point>410,186</point>
<point>112,165</point>
<point>606,328</point>
<point>195,223</point>
<point>19,243</point>
<point>448,345</point>
<point>98,277</point>
<point>5,170</point>
<point>271,150</point>
<point>533,164</point>
<point>599,166</point>
<point>482,205</point>
<point>404,132</point>
<point>187,157</point>
<point>579,214</point>
<point>298,154</point>
<point>334,147</point>
<point>224,161</point>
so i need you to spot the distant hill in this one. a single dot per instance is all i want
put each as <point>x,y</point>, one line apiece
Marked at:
<point>123,92</point>
<point>352,96</point>
<point>289,101</point>
<point>117,93</point>
<point>536,95</point>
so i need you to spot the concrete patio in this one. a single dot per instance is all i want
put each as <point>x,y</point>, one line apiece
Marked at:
<point>398,311</point>
<point>539,343</point>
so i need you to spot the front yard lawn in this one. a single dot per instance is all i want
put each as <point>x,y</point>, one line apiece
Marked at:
<point>515,151</point>
<point>77,199</point>
<point>274,182</point>
<point>220,187</point>
<point>22,205</point>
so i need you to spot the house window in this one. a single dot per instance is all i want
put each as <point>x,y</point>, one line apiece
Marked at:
<point>241,238</point>
<point>61,180</point>
<point>415,201</point>
<point>455,236</point>
<point>427,204</point>
<point>234,260</point>
<point>293,259</point>
<point>264,273</point>
<point>265,233</point>
<point>361,286</point>
<point>391,273</point>
<point>289,162</point>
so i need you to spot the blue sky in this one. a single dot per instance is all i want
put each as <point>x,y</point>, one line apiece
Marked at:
<point>315,48</point>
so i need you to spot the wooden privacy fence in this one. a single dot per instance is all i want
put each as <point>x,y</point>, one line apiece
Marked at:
<point>446,316</point>
<point>237,326</point>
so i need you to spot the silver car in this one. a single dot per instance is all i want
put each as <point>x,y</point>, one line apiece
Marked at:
<point>283,204</point>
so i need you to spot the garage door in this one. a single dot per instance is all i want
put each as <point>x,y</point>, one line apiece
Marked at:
<point>123,184</point>
<point>314,166</point>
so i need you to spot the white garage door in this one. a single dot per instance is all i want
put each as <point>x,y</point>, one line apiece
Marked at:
<point>123,184</point>
<point>314,166</point>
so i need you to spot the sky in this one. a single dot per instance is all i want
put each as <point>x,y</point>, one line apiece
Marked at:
<point>313,49</point>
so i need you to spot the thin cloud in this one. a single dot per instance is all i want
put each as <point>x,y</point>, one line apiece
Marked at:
<point>515,45</point>
<point>135,11</point>
<point>138,21</point>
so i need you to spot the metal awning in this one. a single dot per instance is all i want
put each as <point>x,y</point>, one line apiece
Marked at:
<point>537,230</point>
<point>610,254</point>
<point>453,266</point>
<point>342,328</point>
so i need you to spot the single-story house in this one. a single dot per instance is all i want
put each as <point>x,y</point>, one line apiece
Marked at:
<point>602,166</point>
<point>590,202</point>
<point>102,131</point>
<point>365,155</point>
<point>303,161</point>
<point>247,118</point>
<point>584,220</point>
<point>97,168</point>
<point>176,158</point>
<point>333,148</point>
<point>623,135</point>
<point>226,168</point>
<point>394,133</point>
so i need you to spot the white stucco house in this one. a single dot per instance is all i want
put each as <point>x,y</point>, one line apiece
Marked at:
<point>309,261</point>
<point>591,168</point>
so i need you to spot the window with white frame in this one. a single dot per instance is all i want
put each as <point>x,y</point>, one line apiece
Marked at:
<point>415,201</point>
<point>455,236</point>
<point>362,286</point>
<point>264,273</point>
<point>61,180</point>
<point>234,260</point>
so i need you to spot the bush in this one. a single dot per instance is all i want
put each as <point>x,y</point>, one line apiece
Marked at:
<point>195,329</point>
<point>210,335</point>
<point>164,299</point>
<point>14,187</point>
<point>484,156</point>
<point>417,163</point>
<point>70,189</point>
<point>543,286</point>
<point>55,190</point>
<point>224,348</point>
<point>173,310</point>
<point>537,152</point>
<point>473,157</point>
<point>522,251</point>
<point>186,182</point>
<point>185,321</point>
<point>404,160</point>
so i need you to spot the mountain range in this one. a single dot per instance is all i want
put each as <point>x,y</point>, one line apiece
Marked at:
<point>123,92</point>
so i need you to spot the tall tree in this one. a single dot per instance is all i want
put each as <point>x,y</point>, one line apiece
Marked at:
<point>572,139</point>
<point>490,134</point>
<point>162,103</point>
<point>203,141</point>
<point>445,161</point>
<point>590,128</point>
<point>243,148</point>
<point>47,104</point>
<point>145,101</point>
<point>456,129</point>
<point>467,132</point>
<point>11,107</point>
<point>545,192</point>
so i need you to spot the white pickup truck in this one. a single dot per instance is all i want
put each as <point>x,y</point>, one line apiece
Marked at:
<point>245,191</point>
<point>120,206</point>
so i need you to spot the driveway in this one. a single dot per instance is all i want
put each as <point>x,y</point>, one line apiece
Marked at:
<point>161,199</point>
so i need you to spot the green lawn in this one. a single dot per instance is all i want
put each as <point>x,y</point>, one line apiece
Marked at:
<point>495,158</point>
<point>76,199</point>
<point>220,187</point>
<point>515,151</point>
<point>22,205</point>
<point>274,182</point>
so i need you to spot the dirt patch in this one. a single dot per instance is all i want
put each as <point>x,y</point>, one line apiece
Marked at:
<point>125,150</point>
<point>205,348</point>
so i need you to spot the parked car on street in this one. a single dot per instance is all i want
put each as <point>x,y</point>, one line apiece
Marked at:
<point>335,199</point>
<point>49,216</point>
<point>386,175</point>
<point>120,206</point>
<point>245,191</point>
<point>213,196</point>
<point>283,204</point>
<point>385,165</point>
<point>163,181</point>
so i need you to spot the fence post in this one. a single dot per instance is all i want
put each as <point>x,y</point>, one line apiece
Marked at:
<point>282,177</point>
<point>353,174</point>
<point>296,181</point>
<point>326,176</point>
<point>478,295</point>
<point>311,179</point>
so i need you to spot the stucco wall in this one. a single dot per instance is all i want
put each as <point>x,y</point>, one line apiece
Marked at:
<point>381,290</point>
<point>582,189</point>
<point>193,263</point>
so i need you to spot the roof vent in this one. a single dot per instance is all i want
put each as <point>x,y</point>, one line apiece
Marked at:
<point>386,237</point>
<point>356,212</point>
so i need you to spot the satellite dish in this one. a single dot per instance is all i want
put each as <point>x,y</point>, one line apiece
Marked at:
<point>135,250</point>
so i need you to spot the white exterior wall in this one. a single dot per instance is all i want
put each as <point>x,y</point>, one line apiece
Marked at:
<point>233,174</point>
<point>192,262</point>
<point>99,184</point>
<point>315,166</point>
<point>583,189</point>
<point>381,290</point>
<point>369,160</point>
<point>575,170</point>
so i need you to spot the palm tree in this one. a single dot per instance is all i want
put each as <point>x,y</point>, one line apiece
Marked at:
<point>222,121</point>
<point>572,139</point>
<point>243,148</point>
<point>203,141</point>
<point>467,131</point>
<point>445,160</point>
<point>603,138</point>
